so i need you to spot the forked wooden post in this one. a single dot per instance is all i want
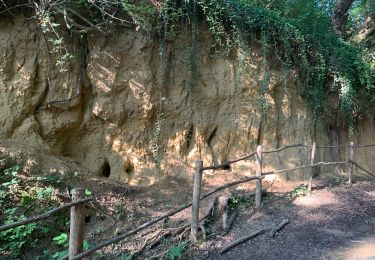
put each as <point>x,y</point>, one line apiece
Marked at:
<point>77,221</point>
<point>196,196</point>
<point>313,149</point>
<point>258,183</point>
<point>351,159</point>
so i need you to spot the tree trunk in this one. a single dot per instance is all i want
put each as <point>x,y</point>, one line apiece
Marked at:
<point>340,15</point>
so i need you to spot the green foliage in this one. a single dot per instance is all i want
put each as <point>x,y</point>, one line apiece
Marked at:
<point>88,192</point>
<point>61,240</point>
<point>299,191</point>
<point>13,241</point>
<point>21,196</point>
<point>176,251</point>
<point>297,33</point>
<point>126,257</point>
<point>240,201</point>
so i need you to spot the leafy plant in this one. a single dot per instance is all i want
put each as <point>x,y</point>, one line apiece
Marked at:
<point>61,240</point>
<point>299,191</point>
<point>240,201</point>
<point>88,192</point>
<point>13,241</point>
<point>29,194</point>
<point>176,251</point>
<point>126,257</point>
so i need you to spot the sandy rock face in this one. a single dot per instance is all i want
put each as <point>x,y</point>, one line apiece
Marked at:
<point>124,106</point>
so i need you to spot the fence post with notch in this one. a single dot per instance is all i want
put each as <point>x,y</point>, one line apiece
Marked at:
<point>258,183</point>
<point>196,198</point>
<point>313,149</point>
<point>351,159</point>
<point>77,221</point>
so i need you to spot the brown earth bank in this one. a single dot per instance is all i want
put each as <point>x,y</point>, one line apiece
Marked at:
<point>122,108</point>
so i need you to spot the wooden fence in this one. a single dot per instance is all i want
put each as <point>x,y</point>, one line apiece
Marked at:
<point>77,207</point>
<point>258,154</point>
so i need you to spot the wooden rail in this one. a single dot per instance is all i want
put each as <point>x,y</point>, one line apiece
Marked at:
<point>156,220</point>
<point>78,198</point>
<point>77,217</point>
<point>199,170</point>
<point>44,215</point>
<point>259,161</point>
<point>222,165</point>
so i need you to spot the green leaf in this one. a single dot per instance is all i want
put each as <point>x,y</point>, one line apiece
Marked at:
<point>61,239</point>
<point>86,245</point>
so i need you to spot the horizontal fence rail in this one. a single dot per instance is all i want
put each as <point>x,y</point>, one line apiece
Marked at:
<point>222,165</point>
<point>77,212</point>
<point>156,220</point>
<point>303,167</point>
<point>44,215</point>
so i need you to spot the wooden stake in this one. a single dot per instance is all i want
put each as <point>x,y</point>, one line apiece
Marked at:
<point>258,183</point>
<point>312,168</point>
<point>351,159</point>
<point>196,199</point>
<point>77,221</point>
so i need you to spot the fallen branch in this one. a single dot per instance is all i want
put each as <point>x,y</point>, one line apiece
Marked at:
<point>45,215</point>
<point>136,253</point>
<point>185,231</point>
<point>157,241</point>
<point>363,169</point>
<point>240,240</point>
<point>280,226</point>
<point>231,221</point>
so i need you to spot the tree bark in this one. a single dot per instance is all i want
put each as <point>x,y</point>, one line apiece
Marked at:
<point>340,15</point>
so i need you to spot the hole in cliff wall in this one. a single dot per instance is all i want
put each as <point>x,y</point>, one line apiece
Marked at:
<point>129,169</point>
<point>226,167</point>
<point>106,169</point>
<point>189,137</point>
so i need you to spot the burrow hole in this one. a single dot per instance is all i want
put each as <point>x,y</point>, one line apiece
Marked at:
<point>106,169</point>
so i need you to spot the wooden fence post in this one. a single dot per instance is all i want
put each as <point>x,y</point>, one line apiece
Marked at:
<point>258,183</point>
<point>351,159</point>
<point>196,197</point>
<point>312,168</point>
<point>77,221</point>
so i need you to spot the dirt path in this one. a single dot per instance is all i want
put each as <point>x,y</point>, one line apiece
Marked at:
<point>331,223</point>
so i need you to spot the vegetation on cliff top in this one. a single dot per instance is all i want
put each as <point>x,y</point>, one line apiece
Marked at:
<point>328,44</point>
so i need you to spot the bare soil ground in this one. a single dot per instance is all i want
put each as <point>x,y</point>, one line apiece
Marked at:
<point>334,222</point>
<point>331,223</point>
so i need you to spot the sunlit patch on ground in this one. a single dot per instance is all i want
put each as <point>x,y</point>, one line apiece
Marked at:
<point>311,201</point>
<point>361,249</point>
<point>370,194</point>
<point>358,249</point>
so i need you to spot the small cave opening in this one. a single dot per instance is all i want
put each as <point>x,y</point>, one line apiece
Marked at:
<point>226,167</point>
<point>105,170</point>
